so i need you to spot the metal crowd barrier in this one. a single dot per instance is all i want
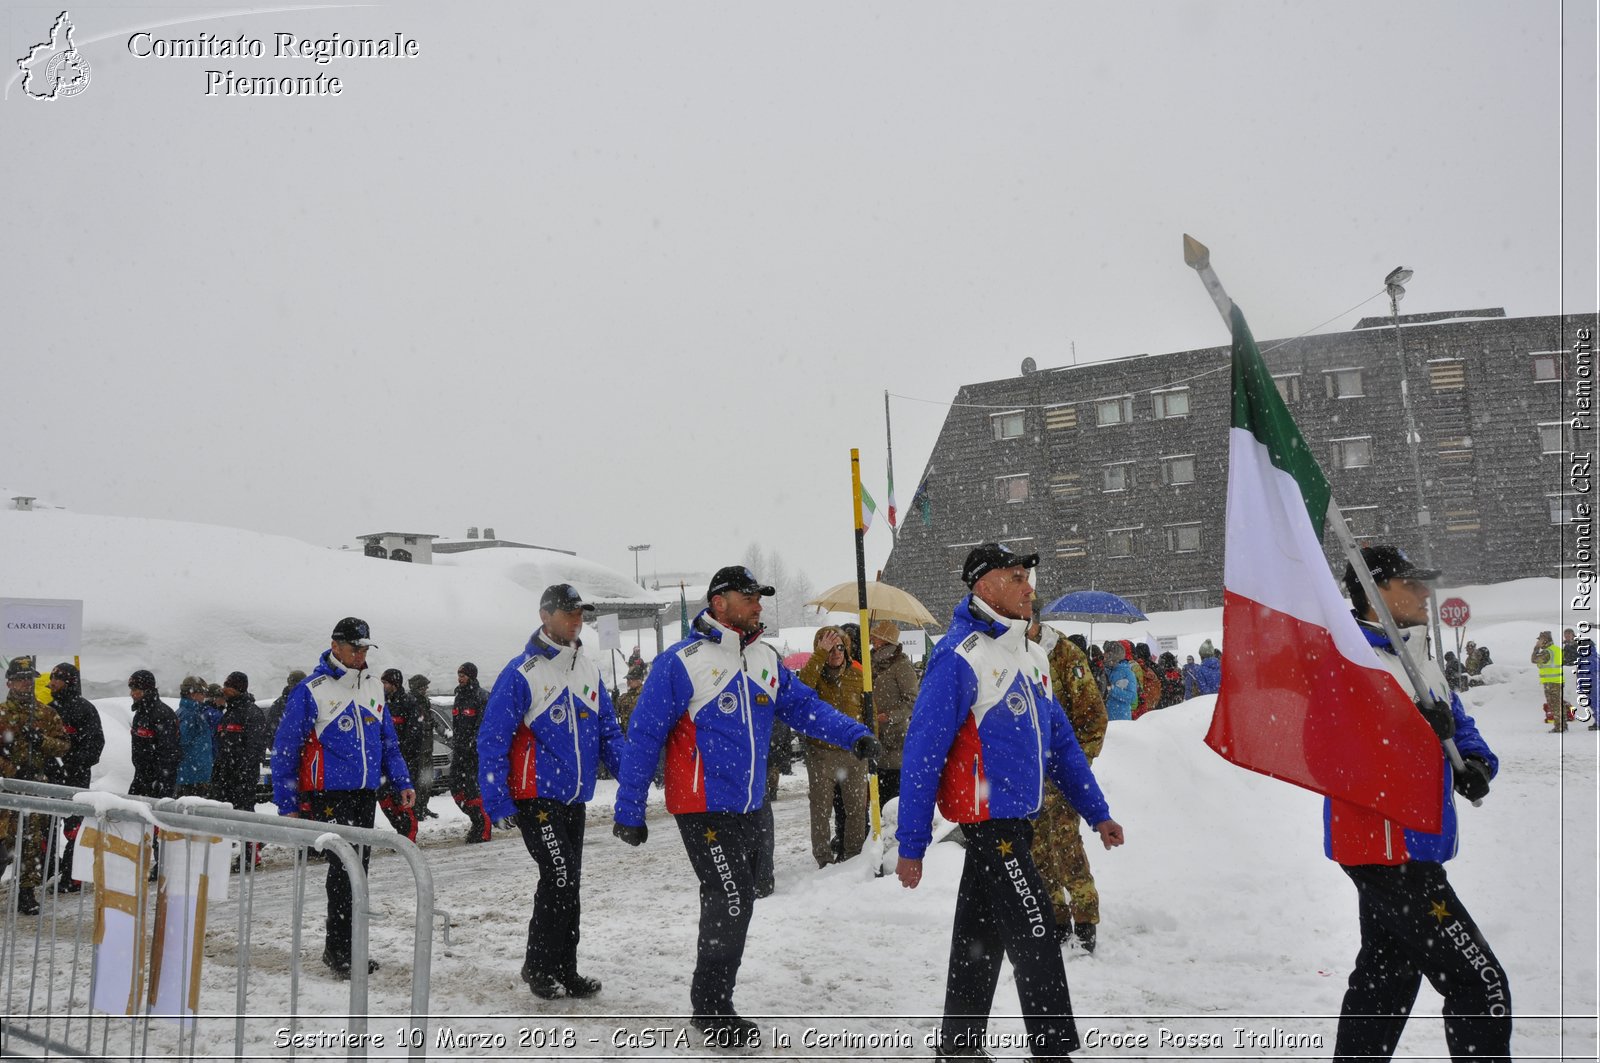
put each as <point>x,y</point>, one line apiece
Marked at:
<point>48,961</point>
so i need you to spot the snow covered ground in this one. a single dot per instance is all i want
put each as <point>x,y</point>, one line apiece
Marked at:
<point>1223,925</point>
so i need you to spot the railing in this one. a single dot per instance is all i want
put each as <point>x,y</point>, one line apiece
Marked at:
<point>48,961</point>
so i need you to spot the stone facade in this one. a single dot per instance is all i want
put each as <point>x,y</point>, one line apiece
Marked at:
<point>1116,472</point>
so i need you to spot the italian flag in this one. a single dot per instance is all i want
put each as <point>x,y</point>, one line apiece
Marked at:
<point>868,508</point>
<point>1304,697</point>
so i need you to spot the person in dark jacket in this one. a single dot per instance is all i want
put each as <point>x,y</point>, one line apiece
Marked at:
<point>403,820</point>
<point>1412,922</point>
<point>81,721</point>
<point>427,726</point>
<point>274,712</point>
<point>153,735</point>
<point>466,716</point>
<point>1171,681</point>
<point>241,740</point>
<point>156,746</point>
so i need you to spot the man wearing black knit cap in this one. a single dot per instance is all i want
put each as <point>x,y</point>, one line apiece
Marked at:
<point>81,721</point>
<point>466,717</point>
<point>153,734</point>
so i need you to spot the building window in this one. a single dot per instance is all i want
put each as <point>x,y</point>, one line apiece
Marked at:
<point>1353,453</point>
<point>1546,366</point>
<point>400,554</point>
<point>1173,403</point>
<point>1447,374</point>
<point>1191,600</point>
<point>1119,477</point>
<point>1011,488</point>
<point>1060,418</point>
<point>1178,469</point>
<point>1007,425</point>
<point>375,549</point>
<point>1117,410</point>
<point>1288,386</point>
<point>1072,548</point>
<point>1553,438</point>
<point>411,540</point>
<point>1362,521</point>
<point>1560,508</point>
<point>1343,383</point>
<point>1183,538</point>
<point>1119,542</point>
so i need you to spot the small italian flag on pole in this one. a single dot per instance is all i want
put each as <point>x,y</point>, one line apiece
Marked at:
<point>1304,696</point>
<point>868,508</point>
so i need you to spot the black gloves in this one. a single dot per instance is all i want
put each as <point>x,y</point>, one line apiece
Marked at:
<point>1472,779</point>
<point>1439,717</point>
<point>631,835</point>
<point>866,747</point>
<point>506,822</point>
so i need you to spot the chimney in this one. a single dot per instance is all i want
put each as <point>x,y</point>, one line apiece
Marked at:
<point>472,533</point>
<point>488,533</point>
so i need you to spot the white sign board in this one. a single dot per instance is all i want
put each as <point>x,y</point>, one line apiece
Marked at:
<point>1167,644</point>
<point>914,643</point>
<point>610,632</point>
<point>41,626</point>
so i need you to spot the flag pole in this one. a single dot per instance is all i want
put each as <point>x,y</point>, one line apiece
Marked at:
<point>867,716</point>
<point>1198,257</point>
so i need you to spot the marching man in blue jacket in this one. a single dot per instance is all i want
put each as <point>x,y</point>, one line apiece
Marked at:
<point>334,747</point>
<point>548,722</point>
<point>985,733</point>
<point>711,700</point>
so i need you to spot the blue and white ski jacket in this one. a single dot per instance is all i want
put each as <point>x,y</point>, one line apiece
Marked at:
<point>1354,835</point>
<point>548,722</point>
<point>710,700</point>
<point>335,734</point>
<point>985,731</point>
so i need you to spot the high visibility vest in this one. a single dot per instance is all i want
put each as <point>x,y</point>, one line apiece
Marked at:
<point>1550,673</point>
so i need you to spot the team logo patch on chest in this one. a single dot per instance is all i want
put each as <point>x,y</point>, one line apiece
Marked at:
<point>1016,703</point>
<point>728,701</point>
<point>558,714</point>
<point>347,723</point>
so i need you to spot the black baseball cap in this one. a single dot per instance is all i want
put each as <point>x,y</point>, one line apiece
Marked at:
<point>354,631</point>
<point>1390,562</point>
<point>737,578</point>
<point>990,556</point>
<point>563,598</point>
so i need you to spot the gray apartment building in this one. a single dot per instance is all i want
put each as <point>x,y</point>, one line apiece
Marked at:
<point>1115,472</point>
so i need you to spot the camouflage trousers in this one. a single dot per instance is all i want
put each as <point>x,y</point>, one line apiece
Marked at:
<point>30,852</point>
<point>1058,851</point>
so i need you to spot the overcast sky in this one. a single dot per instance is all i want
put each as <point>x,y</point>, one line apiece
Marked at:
<point>601,274</point>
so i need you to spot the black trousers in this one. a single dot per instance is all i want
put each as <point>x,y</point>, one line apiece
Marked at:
<point>1003,908</point>
<point>723,848</point>
<point>350,808</point>
<point>763,869</point>
<point>1414,925</point>
<point>888,785</point>
<point>553,833</point>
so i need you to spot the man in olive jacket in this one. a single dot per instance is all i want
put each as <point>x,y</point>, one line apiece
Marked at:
<point>31,737</point>
<point>894,692</point>
<point>837,680</point>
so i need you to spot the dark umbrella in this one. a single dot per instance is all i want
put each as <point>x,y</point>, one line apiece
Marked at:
<point>1093,607</point>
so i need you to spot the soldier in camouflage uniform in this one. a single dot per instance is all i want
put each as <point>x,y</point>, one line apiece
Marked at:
<point>625,701</point>
<point>1057,847</point>
<point>31,737</point>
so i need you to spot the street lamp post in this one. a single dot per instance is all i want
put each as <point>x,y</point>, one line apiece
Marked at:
<point>1395,284</point>
<point>637,550</point>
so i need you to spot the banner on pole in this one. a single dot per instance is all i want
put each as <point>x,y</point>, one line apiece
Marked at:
<point>609,630</point>
<point>41,626</point>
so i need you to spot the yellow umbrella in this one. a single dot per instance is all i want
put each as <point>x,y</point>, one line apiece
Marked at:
<point>883,602</point>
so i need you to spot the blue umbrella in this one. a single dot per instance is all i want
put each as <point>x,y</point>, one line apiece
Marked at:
<point>1093,607</point>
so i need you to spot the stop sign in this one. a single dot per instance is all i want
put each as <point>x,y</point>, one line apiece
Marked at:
<point>1453,612</point>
